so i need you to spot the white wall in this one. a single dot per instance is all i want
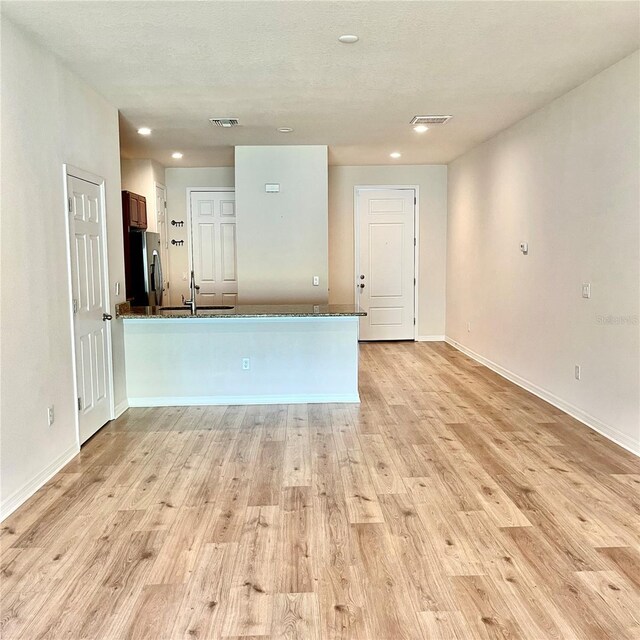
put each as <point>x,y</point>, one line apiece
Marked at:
<point>432,181</point>
<point>140,176</point>
<point>177,182</point>
<point>566,181</point>
<point>49,117</point>
<point>282,237</point>
<point>197,361</point>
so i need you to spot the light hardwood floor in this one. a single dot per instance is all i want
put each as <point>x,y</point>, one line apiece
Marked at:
<point>449,504</point>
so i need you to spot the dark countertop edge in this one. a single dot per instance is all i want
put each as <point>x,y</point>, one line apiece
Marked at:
<point>231,316</point>
<point>127,312</point>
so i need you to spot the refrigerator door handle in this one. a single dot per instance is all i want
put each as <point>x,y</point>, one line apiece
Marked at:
<point>157,279</point>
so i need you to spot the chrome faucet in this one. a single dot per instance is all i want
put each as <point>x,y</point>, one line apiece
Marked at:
<point>192,288</point>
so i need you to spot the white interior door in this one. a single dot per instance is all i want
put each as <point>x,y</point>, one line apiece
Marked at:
<point>213,246</point>
<point>88,284</point>
<point>162,226</point>
<point>385,263</point>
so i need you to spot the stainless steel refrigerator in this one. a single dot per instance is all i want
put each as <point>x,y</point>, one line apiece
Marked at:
<point>146,268</point>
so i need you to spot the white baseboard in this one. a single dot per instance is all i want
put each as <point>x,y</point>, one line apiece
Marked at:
<point>19,497</point>
<point>120,408</point>
<point>239,400</point>
<point>606,430</point>
<point>430,339</point>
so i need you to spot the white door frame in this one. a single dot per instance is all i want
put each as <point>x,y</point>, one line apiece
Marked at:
<point>166,269</point>
<point>70,170</point>
<point>416,231</point>
<point>191,190</point>
<point>155,187</point>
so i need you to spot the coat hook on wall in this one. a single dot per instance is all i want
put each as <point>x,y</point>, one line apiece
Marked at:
<point>177,243</point>
<point>177,223</point>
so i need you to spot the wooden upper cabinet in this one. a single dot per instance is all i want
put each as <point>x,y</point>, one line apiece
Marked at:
<point>134,210</point>
<point>142,212</point>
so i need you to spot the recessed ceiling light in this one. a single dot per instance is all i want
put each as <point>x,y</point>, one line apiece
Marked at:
<point>144,131</point>
<point>395,154</point>
<point>421,128</point>
<point>285,129</point>
<point>348,39</point>
<point>177,155</point>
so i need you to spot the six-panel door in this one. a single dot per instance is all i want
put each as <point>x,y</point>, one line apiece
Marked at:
<point>213,246</point>
<point>88,290</point>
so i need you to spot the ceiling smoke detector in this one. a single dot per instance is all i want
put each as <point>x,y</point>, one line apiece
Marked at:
<point>224,122</point>
<point>427,120</point>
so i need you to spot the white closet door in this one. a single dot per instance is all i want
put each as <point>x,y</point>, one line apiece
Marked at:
<point>213,246</point>
<point>88,287</point>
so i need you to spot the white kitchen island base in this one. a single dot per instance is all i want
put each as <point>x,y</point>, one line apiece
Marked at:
<point>180,361</point>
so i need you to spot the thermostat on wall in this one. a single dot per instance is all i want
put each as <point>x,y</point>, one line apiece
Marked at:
<point>272,188</point>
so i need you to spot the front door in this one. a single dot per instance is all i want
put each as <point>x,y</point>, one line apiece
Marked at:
<point>91,329</point>
<point>385,263</point>
<point>213,246</point>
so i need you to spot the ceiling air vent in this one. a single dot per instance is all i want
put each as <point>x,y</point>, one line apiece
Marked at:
<point>224,122</point>
<point>430,120</point>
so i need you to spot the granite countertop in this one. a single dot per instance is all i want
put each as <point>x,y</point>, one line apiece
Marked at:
<point>242,311</point>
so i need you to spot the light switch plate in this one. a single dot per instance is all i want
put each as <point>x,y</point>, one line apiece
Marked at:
<point>586,289</point>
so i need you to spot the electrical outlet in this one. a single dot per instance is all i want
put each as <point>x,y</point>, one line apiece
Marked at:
<point>50,415</point>
<point>316,281</point>
<point>524,248</point>
<point>586,289</point>
<point>246,364</point>
<point>577,371</point>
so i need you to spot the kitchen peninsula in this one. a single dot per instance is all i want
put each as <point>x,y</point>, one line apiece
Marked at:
<point>247,354</point>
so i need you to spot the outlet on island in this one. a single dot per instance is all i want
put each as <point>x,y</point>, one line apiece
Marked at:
<point>246,364</point>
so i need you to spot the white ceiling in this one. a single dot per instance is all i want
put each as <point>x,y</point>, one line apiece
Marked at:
<point>173,65</point>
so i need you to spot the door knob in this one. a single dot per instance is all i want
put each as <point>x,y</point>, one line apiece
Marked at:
<point>361,277</point>
<point>107,316</point>
<point>361,285</point>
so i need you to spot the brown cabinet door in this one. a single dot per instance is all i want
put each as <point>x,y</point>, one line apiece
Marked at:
<point>142,212</point>
<point>134,219</point>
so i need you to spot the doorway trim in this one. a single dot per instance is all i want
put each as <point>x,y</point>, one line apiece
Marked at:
<point>416,234</point>
<point>70,170</point>
<point>165,266</point>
